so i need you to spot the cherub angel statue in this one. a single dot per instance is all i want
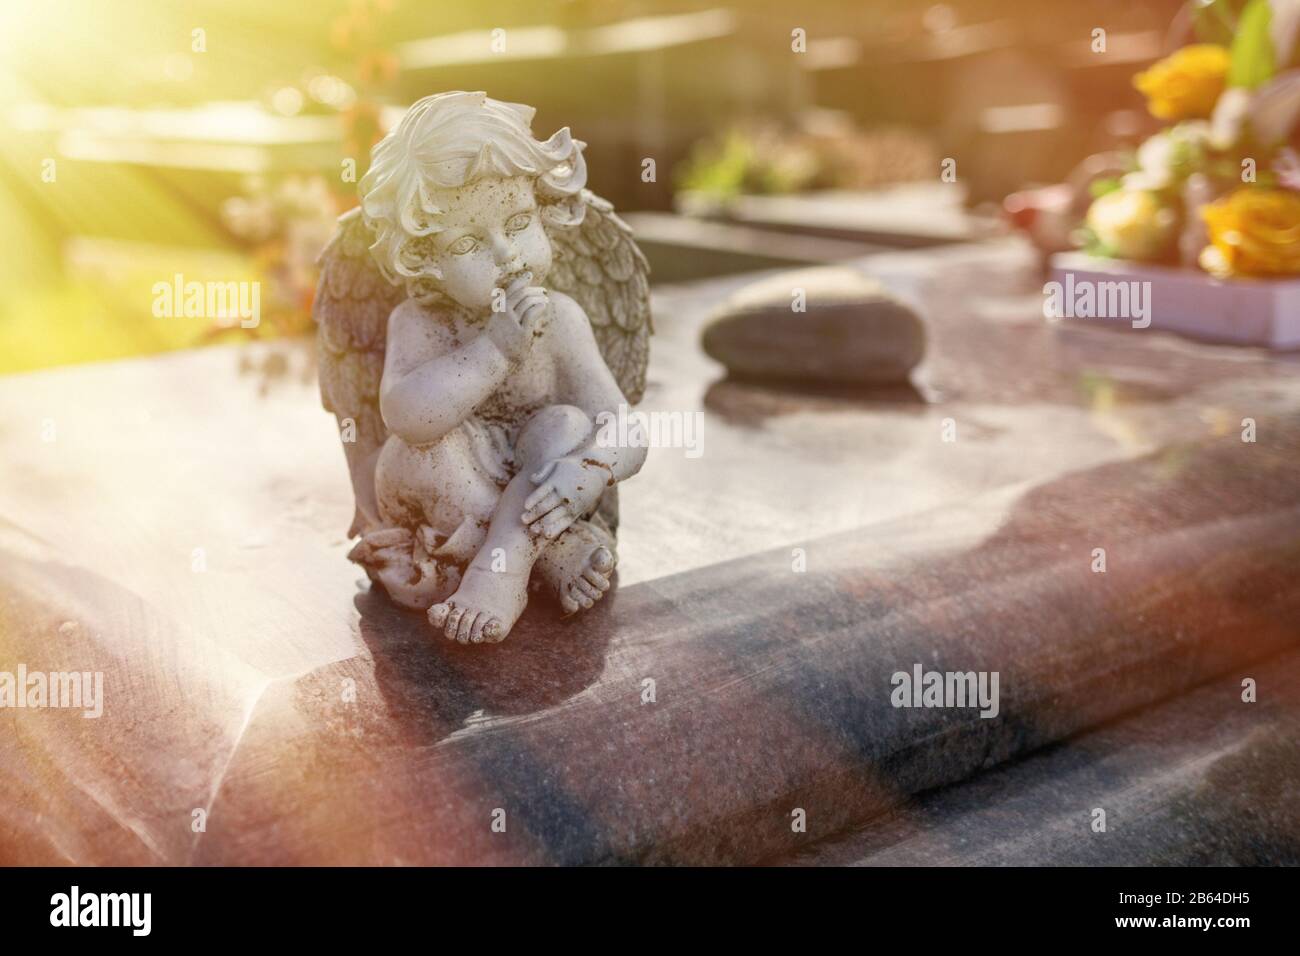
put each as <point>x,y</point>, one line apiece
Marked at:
<point>477,314</point>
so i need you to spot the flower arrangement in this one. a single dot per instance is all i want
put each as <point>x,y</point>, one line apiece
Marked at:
<point>1219,188</point>
<point>284,223</point>
<point>285,220</point>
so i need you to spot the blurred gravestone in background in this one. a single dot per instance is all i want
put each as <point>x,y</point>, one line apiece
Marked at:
<point>162,120</point>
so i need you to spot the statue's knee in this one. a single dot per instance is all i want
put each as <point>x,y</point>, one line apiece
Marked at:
<point>553,432</point>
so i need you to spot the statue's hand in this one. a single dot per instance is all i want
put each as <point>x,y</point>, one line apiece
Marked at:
<point>514,328</point>
<point>567,488</point>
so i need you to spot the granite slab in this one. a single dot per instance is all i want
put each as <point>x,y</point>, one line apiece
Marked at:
<point>177,523</point>
<point>1205,779</point>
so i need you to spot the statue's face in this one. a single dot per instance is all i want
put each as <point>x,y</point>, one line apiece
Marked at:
<point>492,232</point>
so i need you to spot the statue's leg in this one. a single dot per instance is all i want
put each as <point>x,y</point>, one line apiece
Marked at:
<point>438,485</point>
<point>435,502</point>
<point>494,590</point>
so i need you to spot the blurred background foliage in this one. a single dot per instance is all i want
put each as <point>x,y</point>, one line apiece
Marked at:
<point>152,138</point>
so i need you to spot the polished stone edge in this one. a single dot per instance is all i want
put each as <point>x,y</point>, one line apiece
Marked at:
<point>774,688</point>
<point>1205,779</point>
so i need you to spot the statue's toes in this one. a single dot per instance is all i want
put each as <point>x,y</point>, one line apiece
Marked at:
<point>453,622</point>
<point>596,579</point>
<point>601,560</point>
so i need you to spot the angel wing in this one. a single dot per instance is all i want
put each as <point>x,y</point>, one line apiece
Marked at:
<point>600,266</point>
<point>351,309</point>
<point>595,262</point>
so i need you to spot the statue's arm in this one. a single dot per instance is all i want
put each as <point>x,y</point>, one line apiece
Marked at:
<point>426,393</point>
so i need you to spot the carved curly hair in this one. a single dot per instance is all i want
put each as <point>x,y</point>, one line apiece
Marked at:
<point>450,140</point>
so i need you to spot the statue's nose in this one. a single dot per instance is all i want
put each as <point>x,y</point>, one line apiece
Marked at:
<point>503,249</point>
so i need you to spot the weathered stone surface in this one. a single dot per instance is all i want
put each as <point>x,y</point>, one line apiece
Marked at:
<point>1206,779</point>
<point>315,722</point>
<point>772,690</point>
<point>852,332</point>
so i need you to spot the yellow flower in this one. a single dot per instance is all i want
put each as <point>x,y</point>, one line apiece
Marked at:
<point>1187,83</point>
<point>1131,224</point>
<point>1253,232</point>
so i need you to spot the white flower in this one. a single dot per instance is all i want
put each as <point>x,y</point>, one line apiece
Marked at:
<point>1275,108</point>
<point>1166,157</point>
<point>1287,167</point>
<point>1271,110</point>
<point>1284,21</point>
<point>1229,117</point>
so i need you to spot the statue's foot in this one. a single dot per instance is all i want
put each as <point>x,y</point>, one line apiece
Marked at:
<point>577,567</point>
<point>483,609</point>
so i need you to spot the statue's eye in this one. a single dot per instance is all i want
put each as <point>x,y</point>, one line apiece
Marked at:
<point>519,222</point>
<point>463,246</point>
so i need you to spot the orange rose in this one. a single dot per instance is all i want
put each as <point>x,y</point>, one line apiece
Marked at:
<point>1187,83</point>
<point>1253,232</point>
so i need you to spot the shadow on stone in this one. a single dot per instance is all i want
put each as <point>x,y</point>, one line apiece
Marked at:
<point>433,686</point>
<point>745,401</point>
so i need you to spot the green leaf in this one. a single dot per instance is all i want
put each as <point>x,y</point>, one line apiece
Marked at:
<point>1100,187</point>
<point>1252,50</point>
